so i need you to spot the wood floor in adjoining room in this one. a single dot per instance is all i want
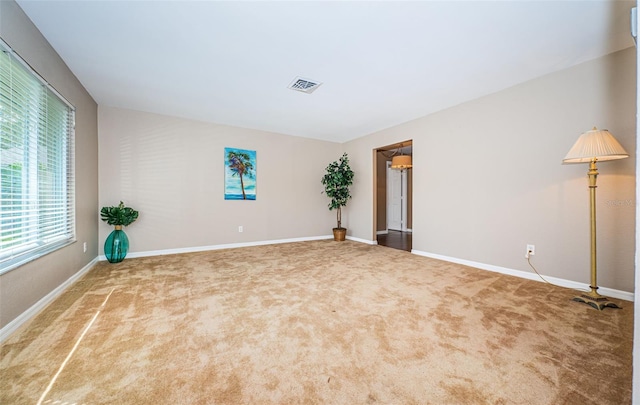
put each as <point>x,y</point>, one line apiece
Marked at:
<point>396,240</point>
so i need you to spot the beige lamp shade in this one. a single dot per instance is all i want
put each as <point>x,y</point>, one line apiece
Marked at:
<point>595,145</point>
<point>401,162</point>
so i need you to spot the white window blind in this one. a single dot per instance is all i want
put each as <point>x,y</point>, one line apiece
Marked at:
<point>37,207</point>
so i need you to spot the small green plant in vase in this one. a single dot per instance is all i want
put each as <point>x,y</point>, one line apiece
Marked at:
<point>116,245</point>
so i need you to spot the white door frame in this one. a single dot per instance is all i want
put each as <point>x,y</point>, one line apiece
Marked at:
<point>403,197</point>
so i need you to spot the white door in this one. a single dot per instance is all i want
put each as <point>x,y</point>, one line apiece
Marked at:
<point>396,201</point>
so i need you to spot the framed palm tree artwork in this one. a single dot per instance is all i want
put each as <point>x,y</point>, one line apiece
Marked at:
<point>239,174</point>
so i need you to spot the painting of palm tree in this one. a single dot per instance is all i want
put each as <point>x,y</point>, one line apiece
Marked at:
<point>240,174</point>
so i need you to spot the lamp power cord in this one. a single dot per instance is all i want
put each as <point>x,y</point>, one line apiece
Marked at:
<point>544,279</point>
<point>536,271</point>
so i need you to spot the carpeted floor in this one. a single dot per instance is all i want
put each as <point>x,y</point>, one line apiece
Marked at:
<point>316,323</point>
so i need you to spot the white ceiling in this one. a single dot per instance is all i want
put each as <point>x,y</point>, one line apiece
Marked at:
<point>381,63</point>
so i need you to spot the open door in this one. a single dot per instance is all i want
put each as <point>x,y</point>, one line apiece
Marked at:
<point>396,199</point>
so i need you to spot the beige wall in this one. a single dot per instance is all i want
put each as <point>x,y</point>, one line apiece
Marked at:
<point>172,171</point>
<point>488,179</point>
<point>24,286</point>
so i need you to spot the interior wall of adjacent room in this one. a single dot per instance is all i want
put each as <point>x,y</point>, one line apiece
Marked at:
<point>488,178</point>
<point>172,171</point>
<point>381,191</point>
<point>24,286</point>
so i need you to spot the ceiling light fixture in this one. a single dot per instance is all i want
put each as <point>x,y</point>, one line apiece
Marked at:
<point>401,162</point>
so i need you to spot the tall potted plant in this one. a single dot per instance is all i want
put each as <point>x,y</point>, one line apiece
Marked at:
<point>337,180</point>
<point>117,244</point>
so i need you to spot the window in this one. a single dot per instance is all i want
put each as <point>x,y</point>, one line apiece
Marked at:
<point>37,207</point>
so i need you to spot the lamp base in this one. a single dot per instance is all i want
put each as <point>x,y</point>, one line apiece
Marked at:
<point>595,300</point>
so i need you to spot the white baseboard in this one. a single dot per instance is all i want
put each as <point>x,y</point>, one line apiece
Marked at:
<point>149,253</point>
<point>609,292</point>
<point>43,302</point>
<point>368,242</point>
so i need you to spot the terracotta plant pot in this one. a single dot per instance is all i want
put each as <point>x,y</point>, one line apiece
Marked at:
<point>339,234</point>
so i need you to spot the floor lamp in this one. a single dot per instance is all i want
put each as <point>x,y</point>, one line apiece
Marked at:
<point>594,146</point>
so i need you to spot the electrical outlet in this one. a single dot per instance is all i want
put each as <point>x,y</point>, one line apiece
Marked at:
<point>84,247</point>
<point>240,228</point>
<point>531,251</point>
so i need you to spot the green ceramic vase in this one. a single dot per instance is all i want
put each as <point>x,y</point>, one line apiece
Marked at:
<point>116,246</point>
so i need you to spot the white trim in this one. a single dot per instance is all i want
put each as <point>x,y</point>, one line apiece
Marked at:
<point>218,247</point>
<point>43,302</point>
<point>409,230</point>
<point>385,232</point>
<point>368,242</point>
<point>623,295</point>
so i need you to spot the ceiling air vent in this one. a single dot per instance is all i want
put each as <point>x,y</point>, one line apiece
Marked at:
<point>304,85</point>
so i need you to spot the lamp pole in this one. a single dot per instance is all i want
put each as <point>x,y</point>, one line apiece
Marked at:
<point>592,298</point>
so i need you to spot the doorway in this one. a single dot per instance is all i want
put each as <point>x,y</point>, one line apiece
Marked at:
<point>393,205</point>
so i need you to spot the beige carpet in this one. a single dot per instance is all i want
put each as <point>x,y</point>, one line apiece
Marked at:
<point>316,323</point>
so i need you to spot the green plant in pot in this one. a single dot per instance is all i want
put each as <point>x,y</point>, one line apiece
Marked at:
<point>337,180</point>
<point>117,244</point>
